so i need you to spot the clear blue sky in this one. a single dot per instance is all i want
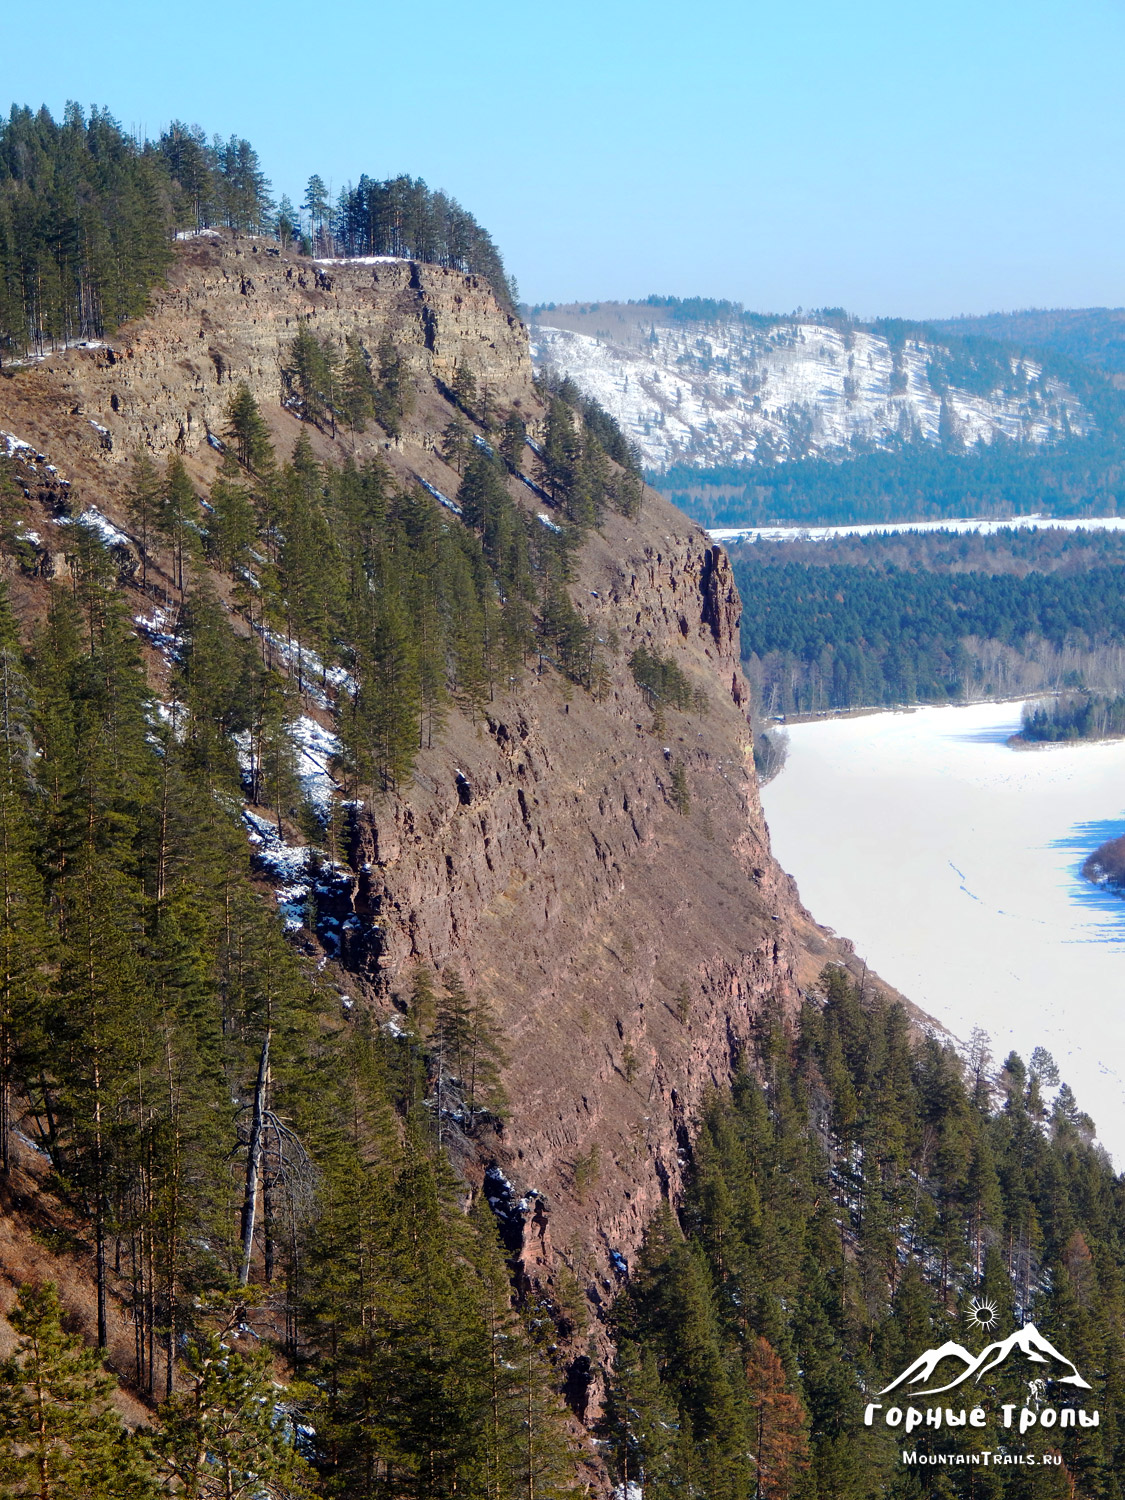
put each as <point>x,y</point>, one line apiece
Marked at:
<point>917,160</point>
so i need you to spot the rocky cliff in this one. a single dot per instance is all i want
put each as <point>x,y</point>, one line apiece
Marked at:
<point>630,928</point>
<point>227,317</point>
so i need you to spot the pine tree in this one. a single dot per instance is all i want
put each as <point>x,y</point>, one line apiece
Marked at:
<point>221,1435</point>
<point>231,524</point>
<point>513,439</point>
<point>248,431</point>
<point>144,500</point>
<point>177,518</point>
<point>357,386</point>
<point>312,374</point>
<point>317,206</point>
<point>23,931</point>
<point>779,1437</point>
<point>456,442</point>
<point>393,396</point>
<point>60,1437</point>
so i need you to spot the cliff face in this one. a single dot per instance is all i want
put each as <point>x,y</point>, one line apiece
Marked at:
<point>629,937</point>
<point>627,945</point>
<point>227,317</point>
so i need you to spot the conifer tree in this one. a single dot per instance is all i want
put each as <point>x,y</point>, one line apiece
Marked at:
<point>248,431</point>
<point>221,1435</point>
<point>357,386</point>
<point>393,396</point>
<point>512,440</point>
<point>144,500</point>
<point>23,930</point>
<point>313,375</point>
<point>177,518</point>
<point>778,1433</point>
<point>231,524</point>
<point>60,1437</point>
<point>456,442</point>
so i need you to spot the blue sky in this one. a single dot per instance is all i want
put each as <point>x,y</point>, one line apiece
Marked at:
<point>892,158</point>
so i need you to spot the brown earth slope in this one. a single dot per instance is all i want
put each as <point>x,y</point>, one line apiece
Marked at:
<point>629,946</point>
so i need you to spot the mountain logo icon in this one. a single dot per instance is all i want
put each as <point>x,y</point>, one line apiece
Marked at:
<point>1026,1341</point>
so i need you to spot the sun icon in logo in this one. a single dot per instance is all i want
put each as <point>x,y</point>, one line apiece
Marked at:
<point>982,1313</point>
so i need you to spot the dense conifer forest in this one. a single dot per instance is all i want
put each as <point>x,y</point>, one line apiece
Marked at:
<point>848,1202</point>
<point>88,214</point>
<point>919,482</point>
<point>886,620</point>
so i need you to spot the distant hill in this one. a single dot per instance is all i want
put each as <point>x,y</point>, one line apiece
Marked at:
<point>1093,335</point>
<point>706,384</point>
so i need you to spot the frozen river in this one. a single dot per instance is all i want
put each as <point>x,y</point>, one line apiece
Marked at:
<point>952,862</point>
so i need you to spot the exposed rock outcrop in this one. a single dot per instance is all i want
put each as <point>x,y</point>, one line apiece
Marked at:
<point>629,938</point>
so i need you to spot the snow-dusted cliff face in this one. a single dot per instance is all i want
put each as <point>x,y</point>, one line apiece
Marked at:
<point>711,393</point>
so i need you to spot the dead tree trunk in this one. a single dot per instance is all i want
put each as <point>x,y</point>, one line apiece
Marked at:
<point>254,1160</point>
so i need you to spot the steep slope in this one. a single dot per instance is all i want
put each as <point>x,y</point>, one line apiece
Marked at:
<point>1094,335</point>
<point>729,390</point>
<point>629,939</point>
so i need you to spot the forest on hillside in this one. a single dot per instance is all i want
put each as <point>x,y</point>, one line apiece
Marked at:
<point>222,1129</point>
<point>88,215</point>
<point>850,1200</point>
<point>869,621</point>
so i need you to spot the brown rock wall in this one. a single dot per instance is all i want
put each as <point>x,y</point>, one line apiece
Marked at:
<point>228,313</point>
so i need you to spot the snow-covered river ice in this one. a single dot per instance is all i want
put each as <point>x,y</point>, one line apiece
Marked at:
<point>952,862</point>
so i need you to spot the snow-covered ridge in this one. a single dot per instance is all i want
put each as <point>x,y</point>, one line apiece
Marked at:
<point>721,393</point>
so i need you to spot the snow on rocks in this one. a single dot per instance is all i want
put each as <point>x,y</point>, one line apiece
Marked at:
<point>727,393</point>
<point>110,534</point>
<point>158,628</point>
<point>550,525</point>
<point>438,496</point>
<point>315,748</point>
<point>301,659</point>
<point>14,447</point>
<point>304,881</point>
<point>363,260</point>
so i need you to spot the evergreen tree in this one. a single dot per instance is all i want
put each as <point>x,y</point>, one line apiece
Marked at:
<point>248,431</point>
<point>177,518</point>
<point>222,1434</point>
<point>145,501</point>
<point>60,1437</point>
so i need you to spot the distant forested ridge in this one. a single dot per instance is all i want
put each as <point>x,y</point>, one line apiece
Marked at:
<point>1095,335</point>
<point>874,620</point>
<point>847,1202</point>
<point>88,213</point>
<point>1081,476</point>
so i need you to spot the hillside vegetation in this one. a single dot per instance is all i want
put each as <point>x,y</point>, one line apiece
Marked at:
<point>87,216</point>
<point>387,908</point>
<point>866,621</point>
<point>848,1201</point>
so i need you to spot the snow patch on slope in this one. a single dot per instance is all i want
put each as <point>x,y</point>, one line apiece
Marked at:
<point>726,393</point>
